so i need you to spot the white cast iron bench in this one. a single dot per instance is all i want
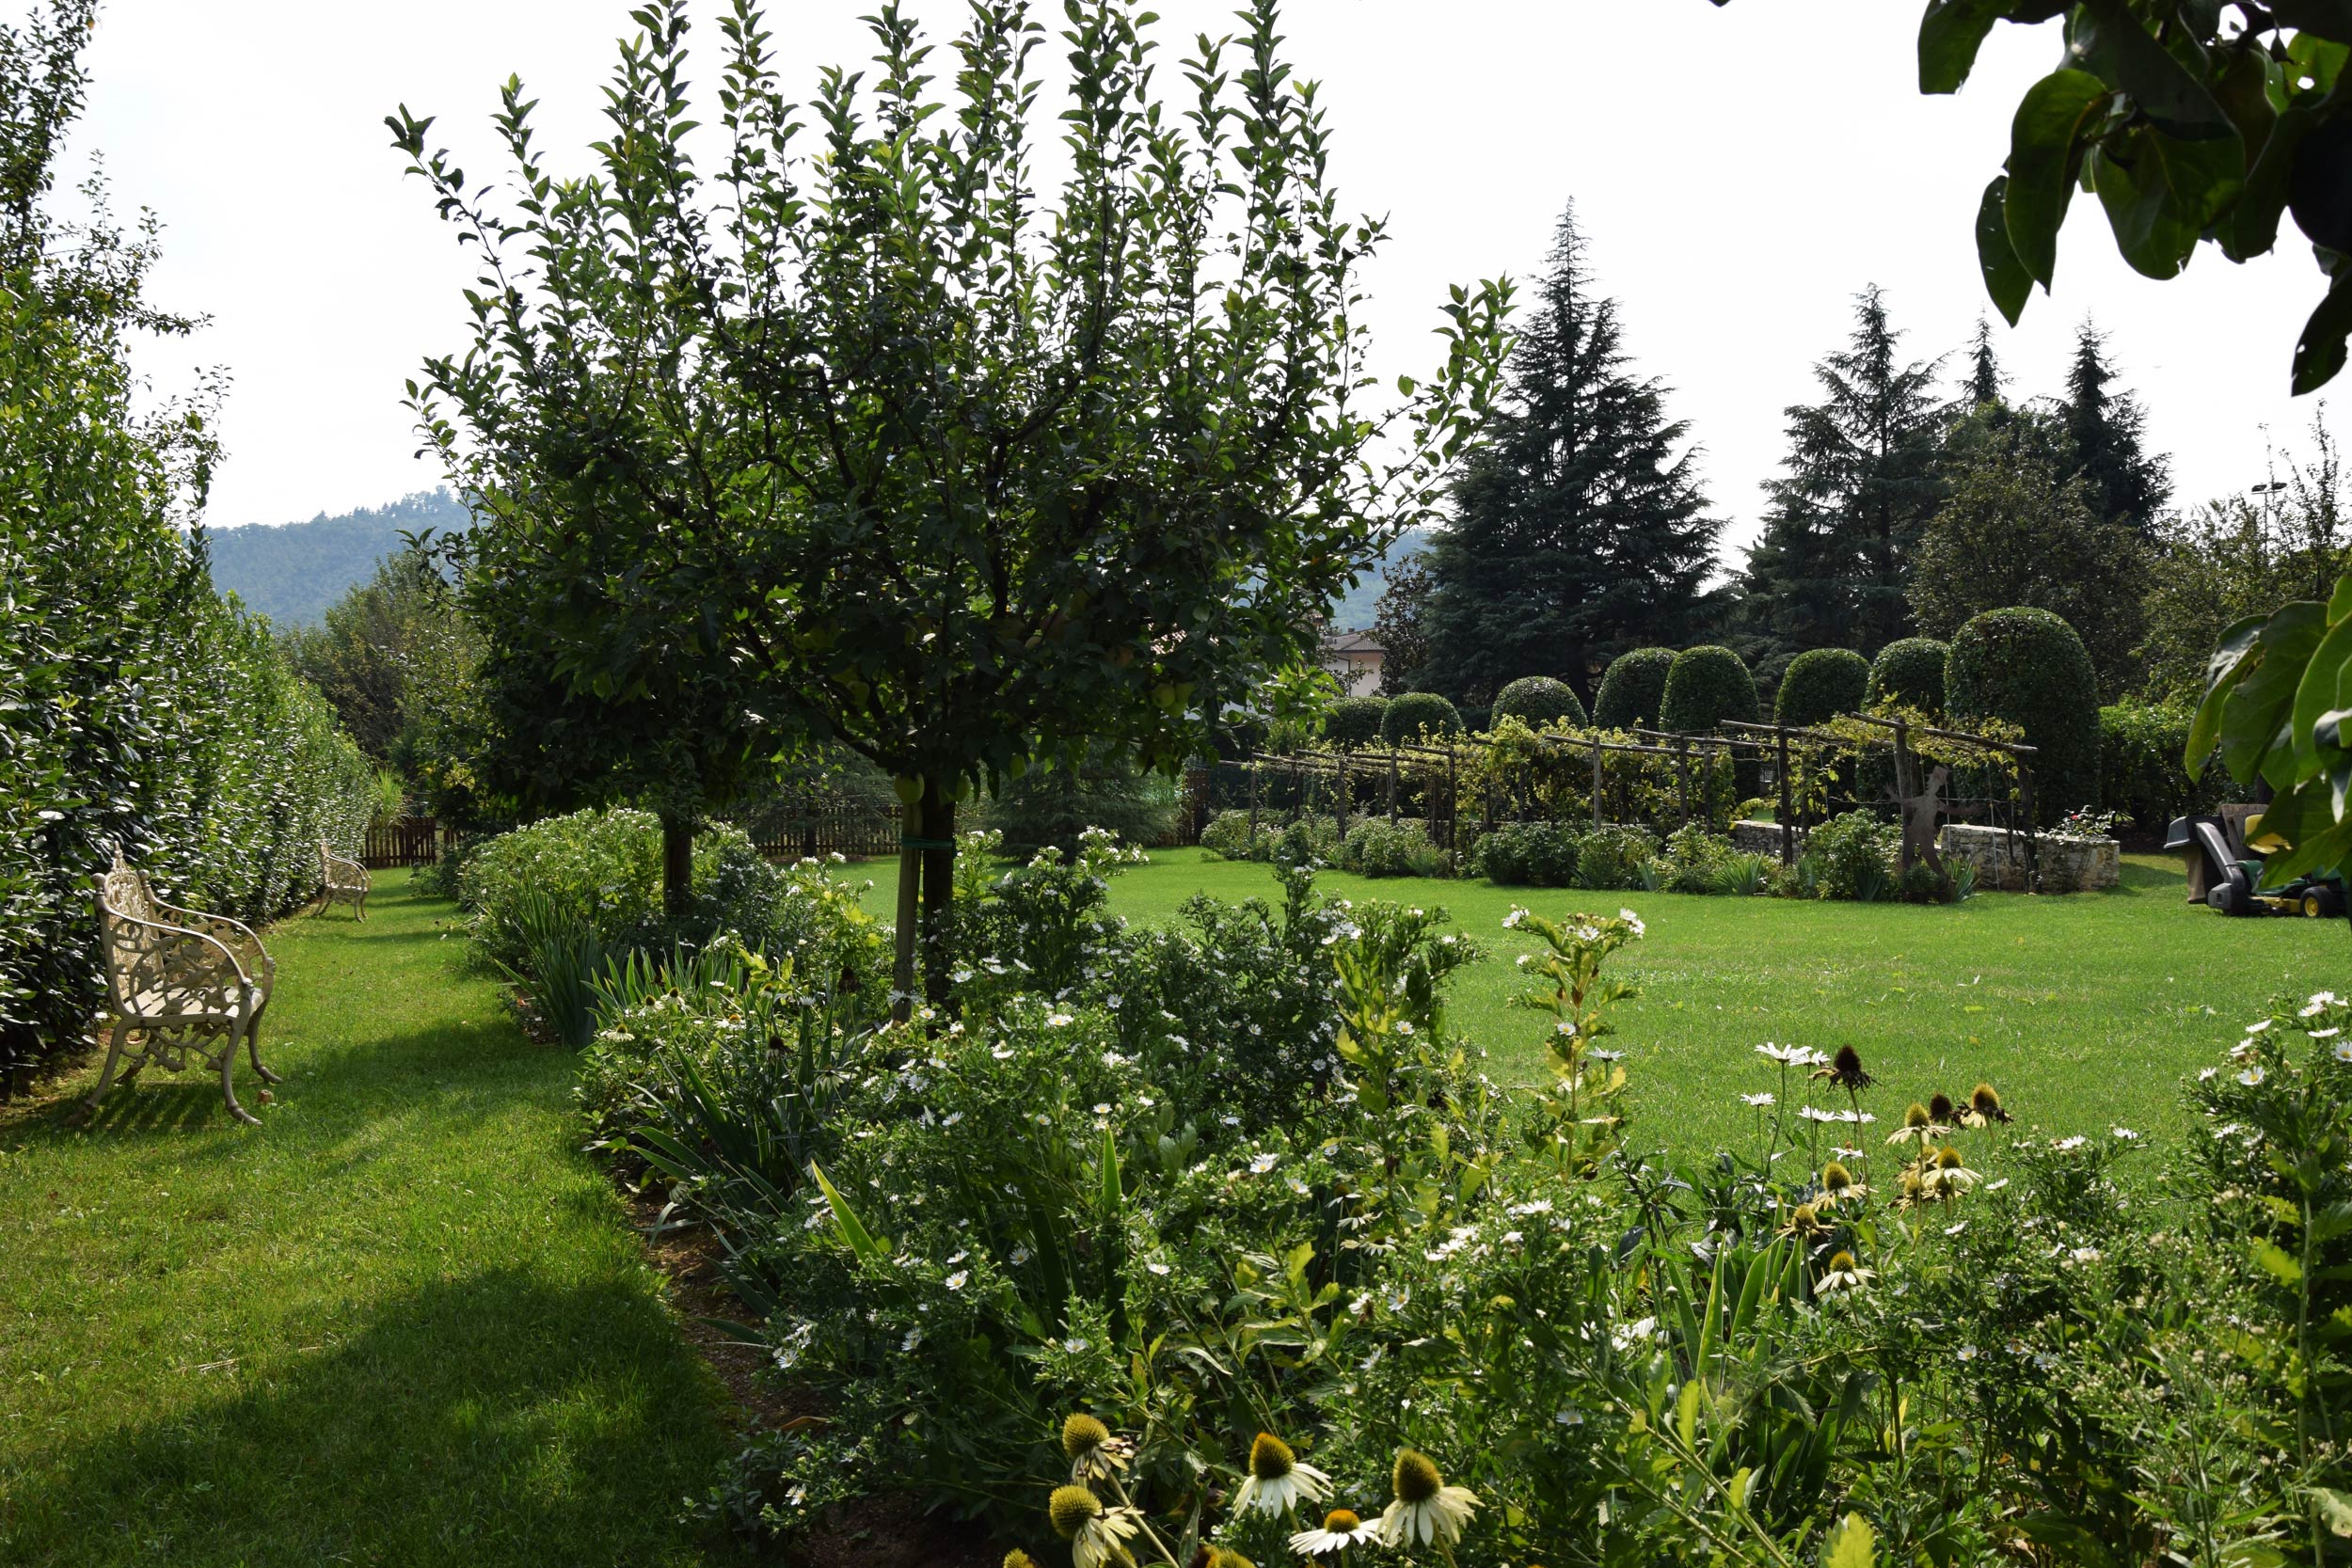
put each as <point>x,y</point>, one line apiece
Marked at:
<point>342,880</point>
<point>181,987</point>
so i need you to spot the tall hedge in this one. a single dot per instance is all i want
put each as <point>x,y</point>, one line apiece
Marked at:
<point>2140,772</point>
<point>1821,683</point>
<point>1354,721</point>
<point>1408,716</point>
<point>1538,701</point>
<point>2029,667</point>
<point>1706,686</point>
<point>1633,688</point>
<point>1910,671</point>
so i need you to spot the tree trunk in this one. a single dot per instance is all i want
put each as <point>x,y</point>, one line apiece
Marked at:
<point>939,872</point>
<point>677,864</point>
<point>909,886</point>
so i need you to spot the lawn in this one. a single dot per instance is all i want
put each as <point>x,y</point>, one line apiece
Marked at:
<point>402,1322</point>
<point>2086,1011</point>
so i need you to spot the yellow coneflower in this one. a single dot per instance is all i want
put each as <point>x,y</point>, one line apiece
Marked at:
<point>1019,1558</point>
<point>1914,1189</point>
<point>1097,1535</point>
<point>1949,1172</point>
<point>1804,1222</point>
<point>1219,1556</point>
<point>1844,1274</point>
<point>1341,1529</point>
<point>1984,1108</point>
<point>1278,1480</point>
<point>1092,1451</point>
<point>1838,1185</point>
<point>1845,1070</point>
<point>1426,1508</point>
<point>1917,1126</point>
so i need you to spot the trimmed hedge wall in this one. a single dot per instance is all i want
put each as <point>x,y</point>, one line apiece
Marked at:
<point>1536,701</point>
<point>1910,671</point>
<point>2140,772</point>
<point>1706,686</point>
<point>2029,667</point>
<point>1821,683</point>
<point>1415,712</point>
<point>1354,721</point>
<point>1634,689</point>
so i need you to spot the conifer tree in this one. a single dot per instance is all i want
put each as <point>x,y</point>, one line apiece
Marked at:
<point>1862,479</point>
<point>1984,369</point>
<point>1581,532</point>
<point>2125,484</point>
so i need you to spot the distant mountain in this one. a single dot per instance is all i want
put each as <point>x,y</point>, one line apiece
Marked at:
<point>1356,608</point>
<point>291,572</point>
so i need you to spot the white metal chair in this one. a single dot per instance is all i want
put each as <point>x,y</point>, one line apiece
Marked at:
<point>185,986</point>
<point>342,880</point>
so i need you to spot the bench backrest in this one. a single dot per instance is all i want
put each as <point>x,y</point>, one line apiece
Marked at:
<point>131,931</point>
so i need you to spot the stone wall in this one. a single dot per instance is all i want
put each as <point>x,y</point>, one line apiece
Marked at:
<point>2067,865</point>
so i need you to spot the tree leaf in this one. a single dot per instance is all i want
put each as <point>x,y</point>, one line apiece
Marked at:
<point>2329,18</point>
<point>2044,156</point>
<point>2240,642</point>
<point>1854,1545</point>
<point>1949,35</point>
<point>2319,353</point>
<point>2335,1508</point>
<point>2005,279</point>
<point>2175,102</point>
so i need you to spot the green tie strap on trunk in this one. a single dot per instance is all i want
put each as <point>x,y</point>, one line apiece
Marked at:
<point>926,843</point>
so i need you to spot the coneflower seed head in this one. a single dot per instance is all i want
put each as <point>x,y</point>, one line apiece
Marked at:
<point>1940,1109</point>
<point>1270,1458</point>
<point>1840,1261</point>
<point>1416,1480</point>
<point>1069,1507</point>
<point>1948,1158</point>
<point>1983,1097</point>
<point>1340,1519</point>
<point>1082,1435</point>
<point>1848,1061</point>
<point>1835,1178</point>
<point>1917,1116</point>
<point>1019,1558</point>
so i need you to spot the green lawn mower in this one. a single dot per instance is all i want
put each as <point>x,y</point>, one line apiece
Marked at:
<point>2233,879</point>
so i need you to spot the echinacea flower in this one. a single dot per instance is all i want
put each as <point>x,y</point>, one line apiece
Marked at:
<point>1918,1127</point>
<point>1940,1109</point>
<point>1844,1274</point>
<point>1019,1558</point>
<point>1984,1108</point>
<point>1845,1070</point>
<point>1805,1221</point>
<point>1341,1529</point>
<point>1426,1508</point>
<point>1838,1185</point>
<point>1949,1172</point>
<point>1277,1481</point>
<point>1097,1535</point>
<point>1091,1448</point>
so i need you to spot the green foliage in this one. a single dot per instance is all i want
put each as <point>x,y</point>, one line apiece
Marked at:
<point>1853,856</point>
<point>1400,625</point>
<point>1821,683</point>
<point>293,571</point>
<point>1417,714</point>
<point>1541,702</point>
<point>139,714</point>
<point>1706,686</point>
<point>1909,671</point>
<point>896,456</point>
<point>1227,836</point>
<point>2028,668</point>
<point>1613,858</point>
<point>1528,854</point>
<point>2141,775</point>
<point>1353,723</point>
<point>2013,531</point>
<point>1373,849</point>
<point>1051,806</point>
<point>1634,692</point>
<point>1579,528</point>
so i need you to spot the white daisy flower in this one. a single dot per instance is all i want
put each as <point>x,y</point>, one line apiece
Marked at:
<point>1426,1508</point>
<point>1756,1100</point>
<point>2252,1076</point>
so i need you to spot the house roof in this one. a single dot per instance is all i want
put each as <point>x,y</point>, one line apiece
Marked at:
<point>1353,643</point>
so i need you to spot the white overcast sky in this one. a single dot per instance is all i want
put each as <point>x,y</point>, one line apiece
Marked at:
<point>1741,173</point>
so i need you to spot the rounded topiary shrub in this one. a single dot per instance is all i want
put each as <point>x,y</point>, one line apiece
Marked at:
<point>2029,667</point>
<point>1354,721</point>
<point>1910,672</point>
<point>1821,683</point>
<point>1539,700</point>
<point>1418,712</point>
<point>1633,689</point>
<point>1704,686</point>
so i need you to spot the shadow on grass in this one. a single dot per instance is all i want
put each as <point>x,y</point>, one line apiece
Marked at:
<point>497,1418</point>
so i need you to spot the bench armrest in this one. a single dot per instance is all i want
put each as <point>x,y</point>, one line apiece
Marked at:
<point>252,958</point>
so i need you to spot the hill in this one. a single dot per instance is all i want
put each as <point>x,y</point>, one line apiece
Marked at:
<point>291,572</point>
<point>1355,608</point>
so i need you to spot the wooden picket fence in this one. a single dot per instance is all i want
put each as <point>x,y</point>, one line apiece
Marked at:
<point>858,830</point>
<point>406,841</point>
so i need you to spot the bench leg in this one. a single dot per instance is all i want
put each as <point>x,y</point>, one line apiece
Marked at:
<point>360,907</point>
<point>253,1046</point>
<point>228,1085</point>
<point>107,1074</point>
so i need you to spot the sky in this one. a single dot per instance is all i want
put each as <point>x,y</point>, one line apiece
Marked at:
<point>1740,173</point>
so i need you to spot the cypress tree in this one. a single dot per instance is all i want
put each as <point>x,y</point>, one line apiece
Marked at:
<point>1831,565</point>
<point>1580,531</point>
<point>1984,367</point>
<point>2125,483</point>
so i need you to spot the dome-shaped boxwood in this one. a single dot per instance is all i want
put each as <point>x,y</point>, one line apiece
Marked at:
<point>1417,711</point>
<point>1633,689</point>
<point>1910,672</point>
<point>1354,721</point>
<point>1821,683</point>
<point>2029,667</point>
<point>1536,701</point>
<point>1704,686</point>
